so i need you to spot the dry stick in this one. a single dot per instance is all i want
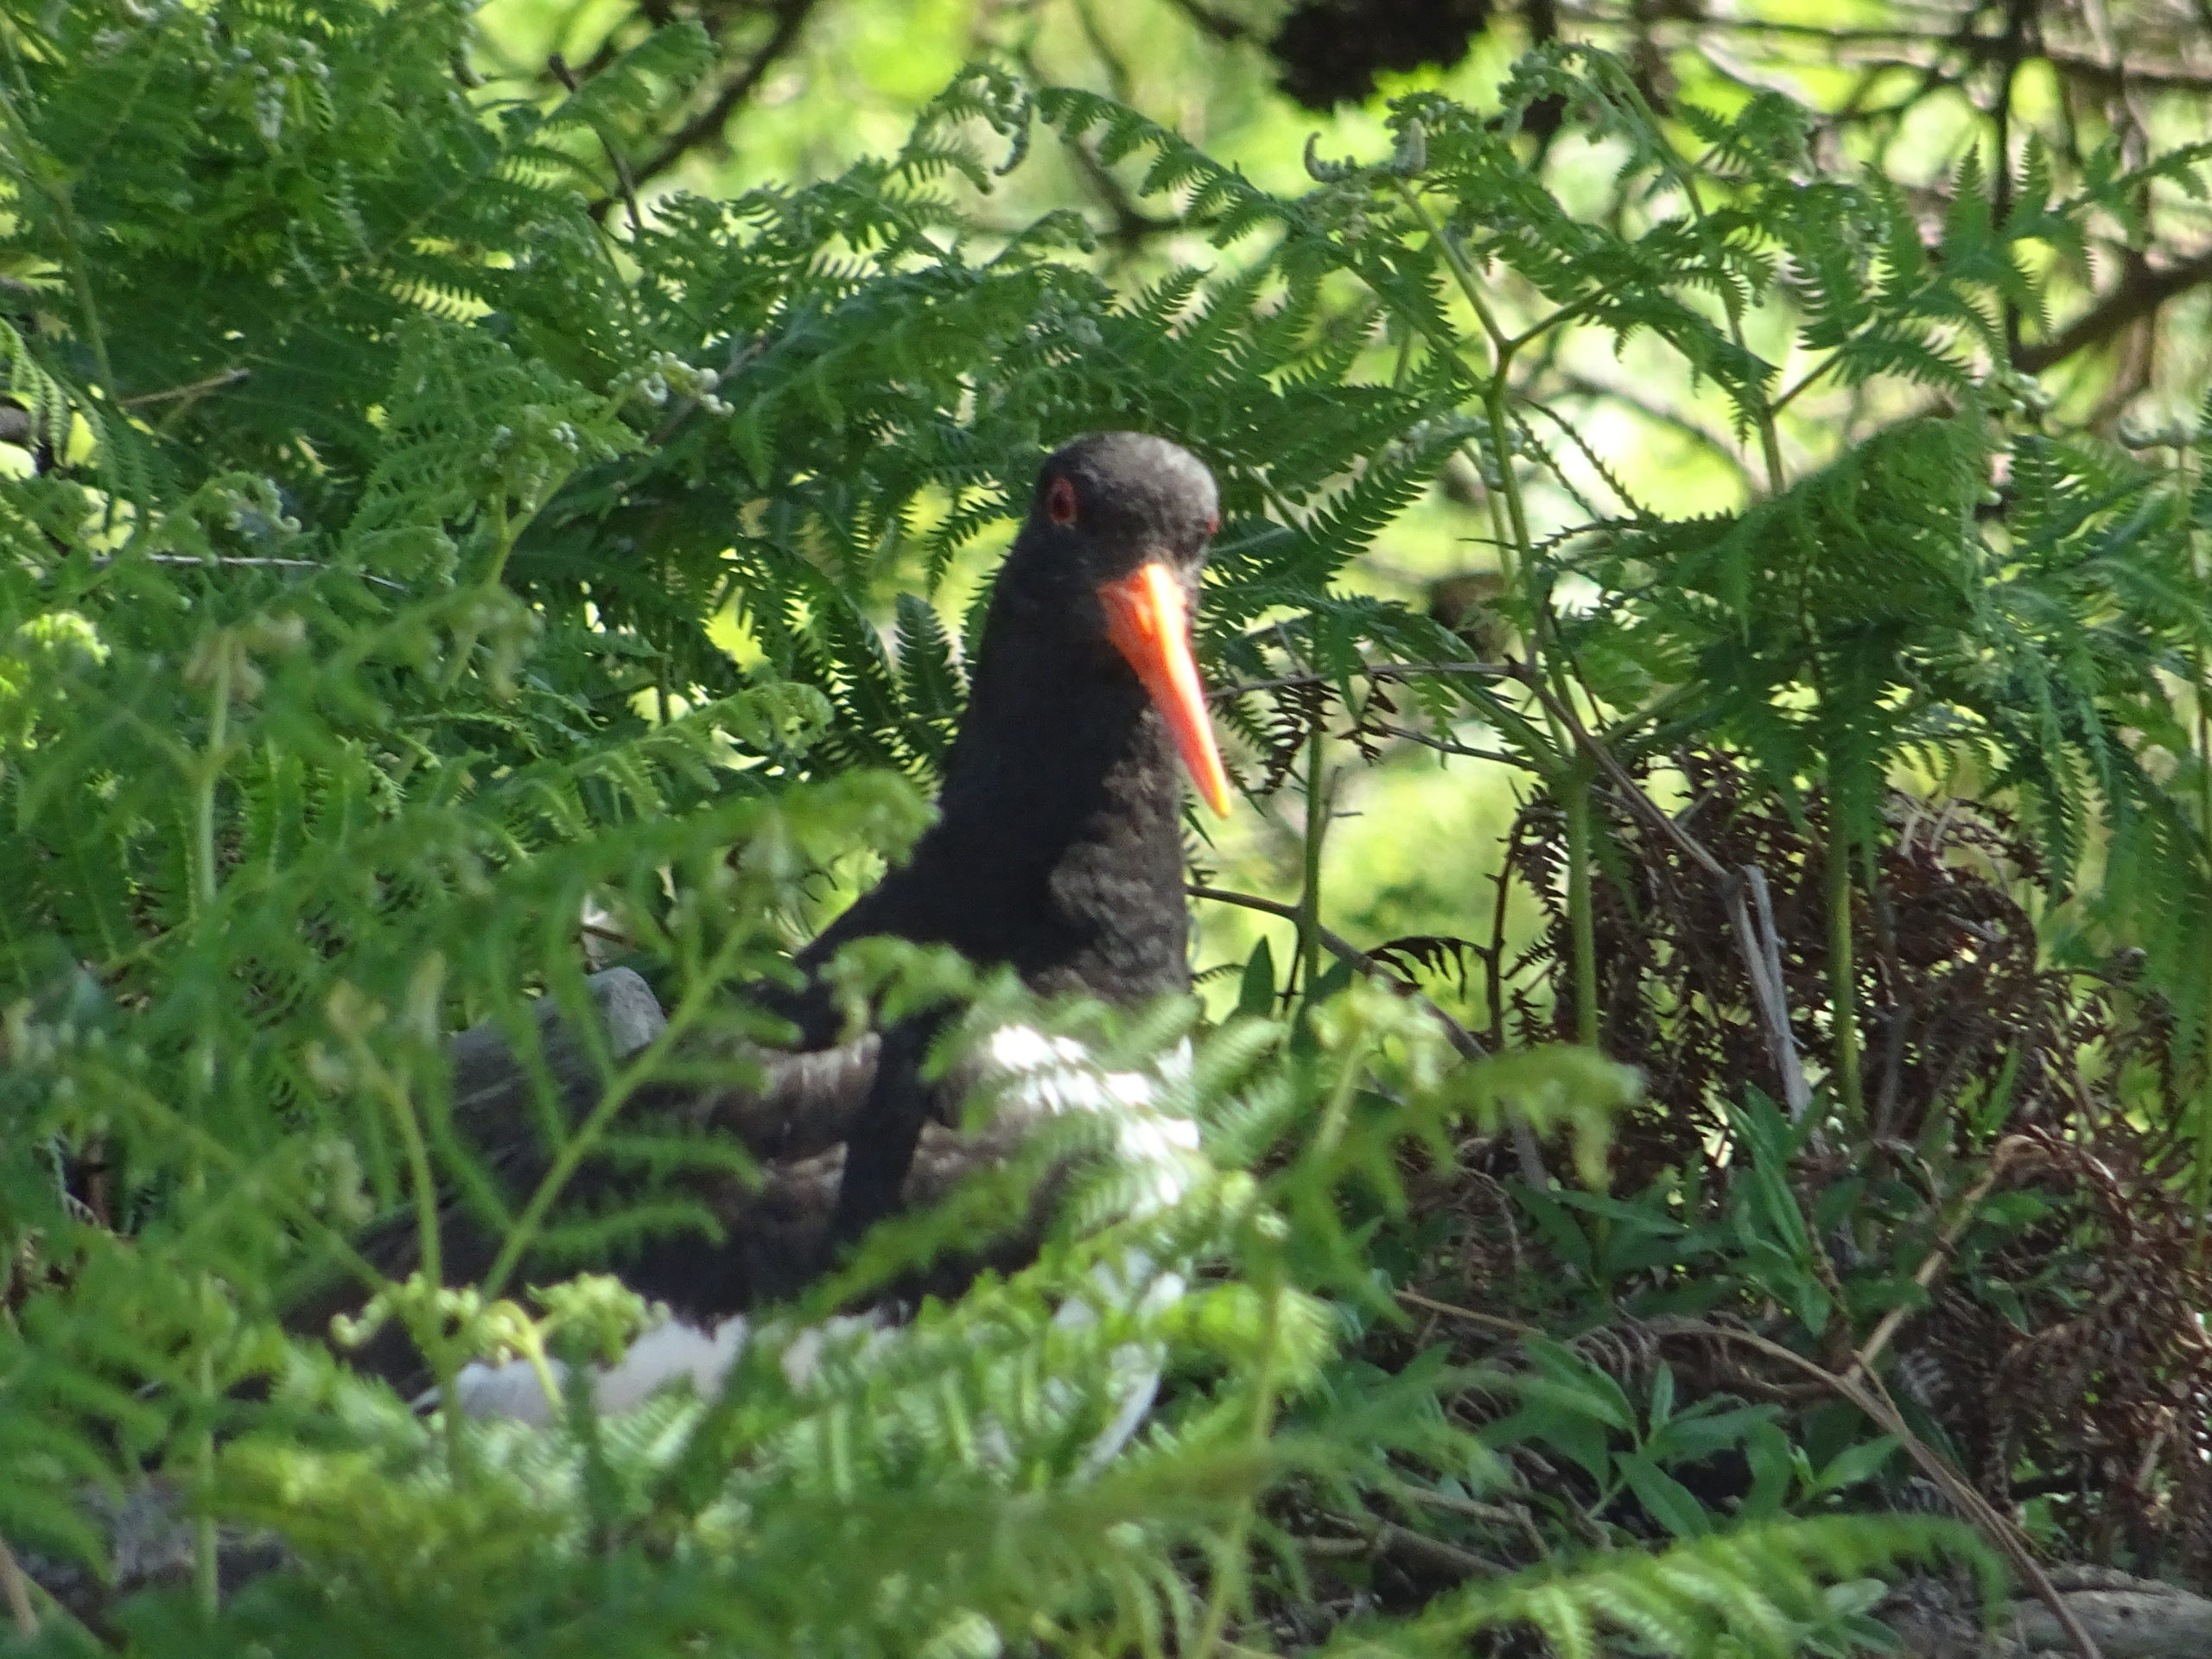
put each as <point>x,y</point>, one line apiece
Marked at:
<point>2148,1462</point>
<point>1932,1463</point>
<point>1764,963</point>
<point>1317,780</point>
<point>1969,1502</point>
<point>1511,1514</point>
<point>1761,951</point>
<point>1444,746</point>
<point>790,17</point>
<point>17,1587</point>
<point>212,383</point>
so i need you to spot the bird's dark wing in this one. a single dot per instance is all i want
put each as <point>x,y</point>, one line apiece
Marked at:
<point>793,1104</point>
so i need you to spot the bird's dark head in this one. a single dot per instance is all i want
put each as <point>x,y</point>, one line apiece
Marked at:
<point>1115,542</point>
<point>1111,502</point>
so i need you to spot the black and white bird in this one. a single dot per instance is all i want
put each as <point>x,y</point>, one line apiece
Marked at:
<point>1057,852</point>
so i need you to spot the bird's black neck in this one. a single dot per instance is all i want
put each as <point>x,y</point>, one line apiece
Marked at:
<point>1058,847</point>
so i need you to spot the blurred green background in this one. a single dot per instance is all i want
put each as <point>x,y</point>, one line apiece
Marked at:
<point>804,88</point>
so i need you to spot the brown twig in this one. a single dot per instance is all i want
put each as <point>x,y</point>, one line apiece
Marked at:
<point>1132,226</point>
<point>1388,1538</point>
<point>2141,292</point>
<point>212,383</point>
<point>1968,1501</point>
<point>1444,746</point>
<point>1763,959</point>
<point>1505,1515</point>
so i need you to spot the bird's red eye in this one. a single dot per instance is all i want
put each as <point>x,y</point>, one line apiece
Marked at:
<point>1213,525</point>
<point>1059,501</point>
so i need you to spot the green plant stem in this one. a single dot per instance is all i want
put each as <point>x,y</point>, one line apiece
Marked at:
<point>1462,272</point>
<point>1330,1131</point>
<point>423,1179</point>
<point>506,531</point>
<point>421,1175</point>
<point>207,1555</point>
<point>1518,567</point>
<point>1582,924</point>
<point>1309,893</point>
<point>1517,555</point>
<point>1805,383</point>
<point>1229,1577</point>
<point>207,775</point>
<point>1509,556</point>
<point>1517,512</point>
<point>507,528</point>
<point>1843,975</point>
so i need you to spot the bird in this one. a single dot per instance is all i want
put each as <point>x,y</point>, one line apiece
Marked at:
<point>1057,852</point>
<point>1058,847</point>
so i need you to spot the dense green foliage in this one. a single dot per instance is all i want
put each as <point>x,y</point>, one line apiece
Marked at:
<point>399,564</point>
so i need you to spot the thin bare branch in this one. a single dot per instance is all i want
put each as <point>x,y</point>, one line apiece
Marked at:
<point>1369,672</point>
<point>558,67</point>
<point>212,383</point>
<point>1947,1244</point>
<point>2141,292</point>
<point>1444,746</point>
<point>707,125</point>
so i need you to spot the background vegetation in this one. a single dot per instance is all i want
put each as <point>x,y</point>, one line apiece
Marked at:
<point>1713,572</point>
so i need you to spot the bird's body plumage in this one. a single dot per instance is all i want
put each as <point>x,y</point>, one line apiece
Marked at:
<point>1058,848</point>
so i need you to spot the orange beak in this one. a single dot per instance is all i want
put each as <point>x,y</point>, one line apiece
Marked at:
<point>1150,624</point>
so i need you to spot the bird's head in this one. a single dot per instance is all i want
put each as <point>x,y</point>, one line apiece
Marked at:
<point>1118,533</point>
